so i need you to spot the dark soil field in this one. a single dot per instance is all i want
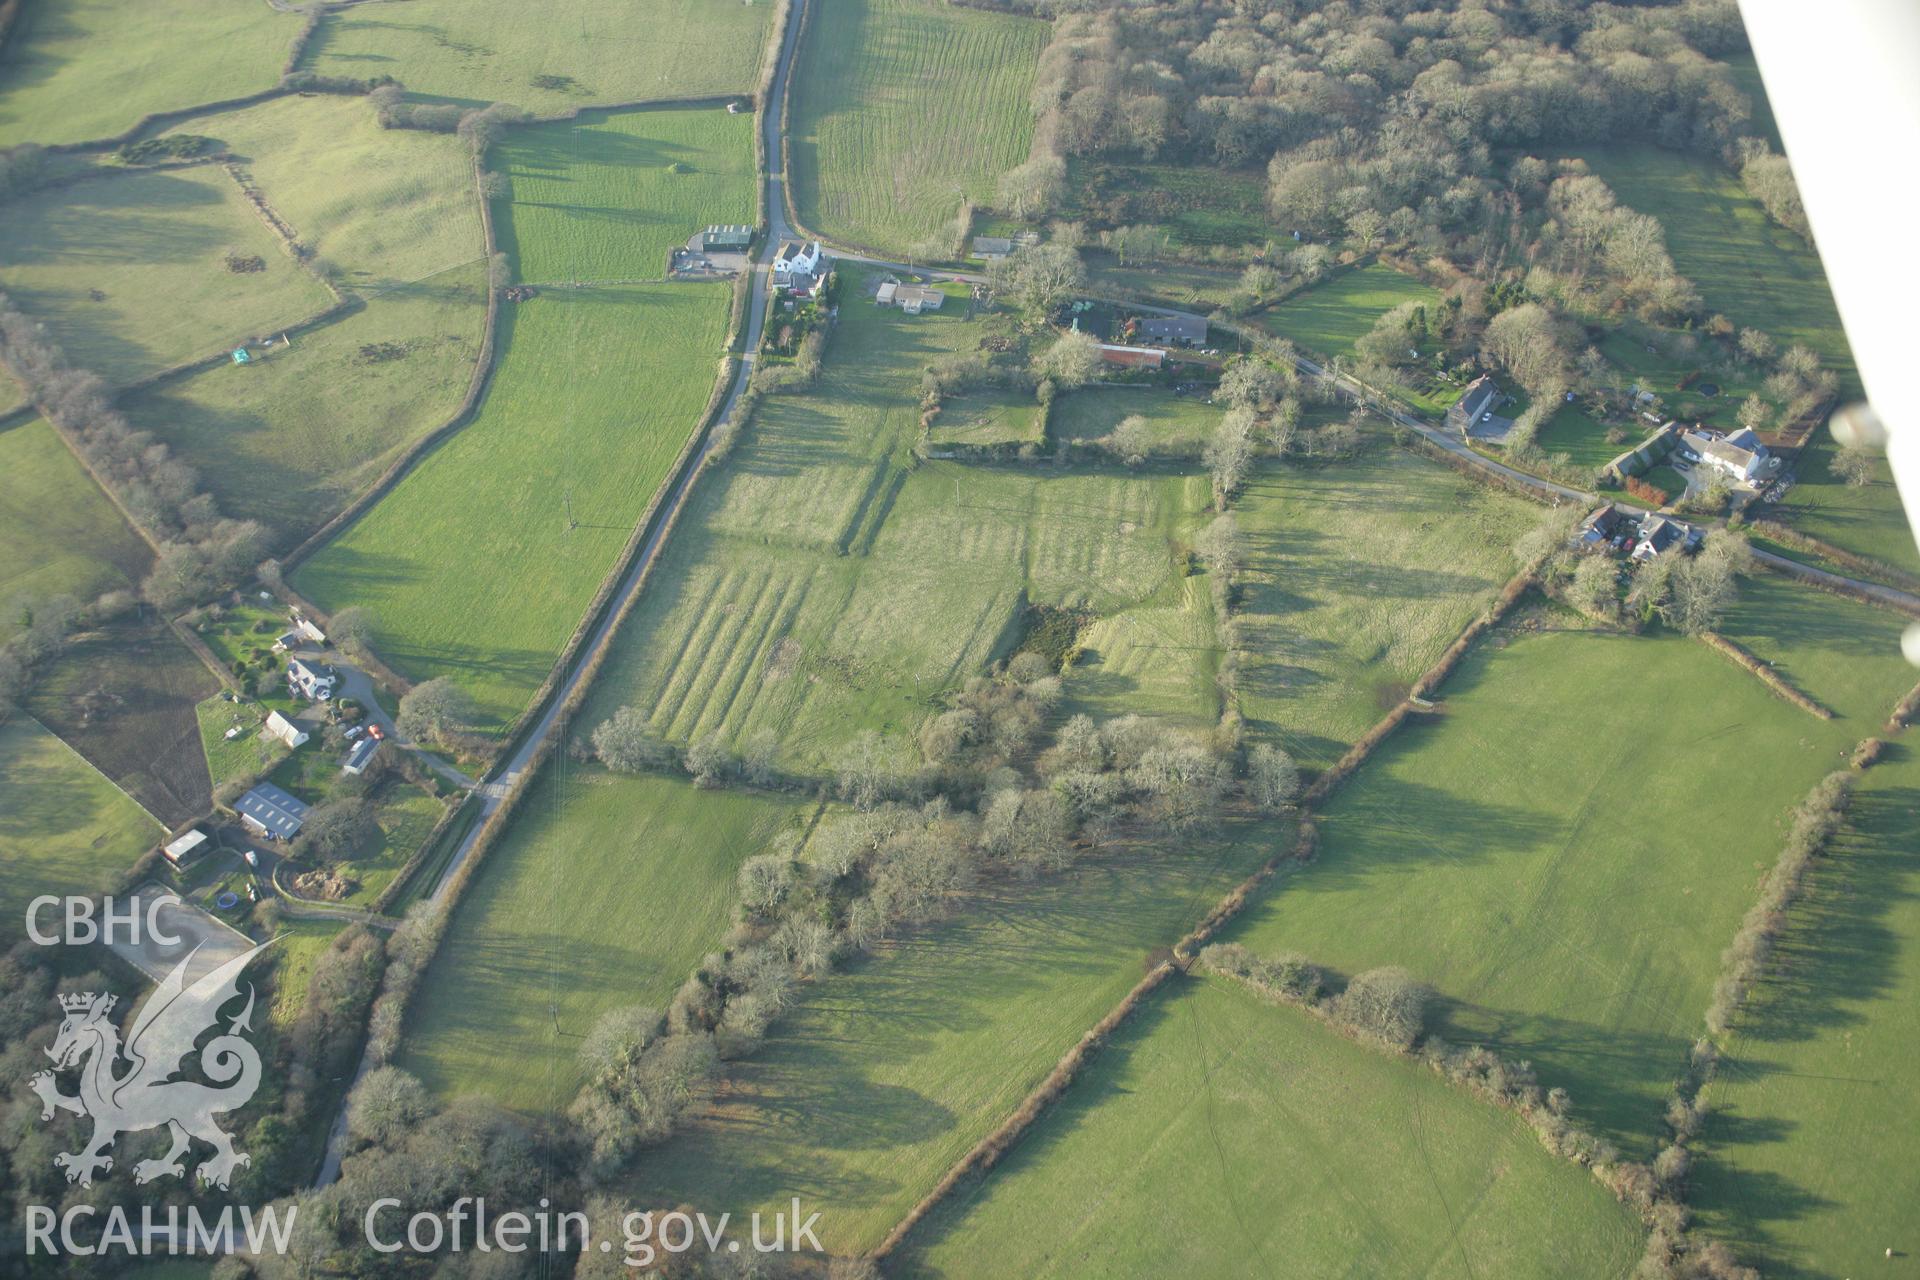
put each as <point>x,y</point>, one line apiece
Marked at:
<point>123,697</point>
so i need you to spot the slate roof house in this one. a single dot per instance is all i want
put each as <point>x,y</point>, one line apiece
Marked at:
<point>310,680</point>
<point>1176,330</point>
<point>1740,456</point>
<point>795,259</point>
<point>1658,533</point>
<point>991,247</point>
<point>271,812</point>
<point>1479,397</point>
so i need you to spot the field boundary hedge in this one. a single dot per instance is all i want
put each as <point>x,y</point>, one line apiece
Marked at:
<point>1751,663</point>
<point>983,1155</point>
<point>476,389</point>
<point>1788,536</point>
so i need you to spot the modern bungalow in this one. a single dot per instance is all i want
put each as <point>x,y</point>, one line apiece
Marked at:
<point>992,247</point>
<point>270,812</point>
<point>910,298</point>
<point>360,757</point>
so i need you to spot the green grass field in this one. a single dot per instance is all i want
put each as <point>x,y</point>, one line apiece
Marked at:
<point>1217,1135</point>
<point>130,275</point>
<point>380,207</point>
<point>596,52</point>
<point>1360,574</point>
<point>1868,521</point>
<point>64,828</point>
<point>1843,654</point>
<point>301,944</point>
<point>59,535</point>
<point>292,437</point>
<point>902,110</point>
<point>1327,318</point>
<point>124,696</point>
<point>1804,1169</point>
<point>1564,852</point>
<point>1181,425</point>
<point>1583,438</point>
<point>1746,267</point>
<point>595,395</point>
<point>404,814</point>
<point>885,1073</point>
<point>819,584</point>
<point>86,69</point>
<point>604,197</point>
<point>606,891</point>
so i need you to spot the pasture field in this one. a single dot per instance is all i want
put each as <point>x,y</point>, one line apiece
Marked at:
<point>1192,286</point>
<point>1562,853</point>
<point>1330,316</point>
<point>379,207</point>
<point>820,584</point>
<point>596,393</point>
<point>598,52</point>
<point>1843,654</point>
<point>606,891</point>
<point>59,535</point>
<point>1803,1166</point>
<point>902,111</point>
<point>884,1074</point>
<point>1749,269</point>
<point>604,197</point>
<point>987,416</point>
<point>290,438</point>
<point>245,756</point>
<point>1159,657</point>
<point>1867,521</point>
<point>130,273</point>
<point>1181,425</point>
<point>124,697</point>
<point>64,827</point>
<point>88,69</point>
<point>1219,1132</point>
<point>1360,574</point>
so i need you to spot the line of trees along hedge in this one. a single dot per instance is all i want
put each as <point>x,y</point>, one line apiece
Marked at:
<point>198,550</point>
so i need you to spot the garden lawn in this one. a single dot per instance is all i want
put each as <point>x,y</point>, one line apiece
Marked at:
<point>404,814</point>
<point>1359,575</point>
<point>1749,269</point>
<point>1181,425</point>
<point>249,754</point>
<point>885,1073</point>
<point>595,52</point>
<point>821,584</point>
<point>129,273</point>
<point>1562,854</point>
<point>902,111</point>
<point>1805,1169</point>
<point>59,535</point>
<point>605,891</point>
<point>294,436</point>
<point>606,196</point>
<point>1327,318</point>
<point>301,943</point>
<point>83,69</point>
<point>1220,1134</point>
<point>1583,438</point>
<point>595,396</point>
<point>63,827</point>
<point>379,206</point>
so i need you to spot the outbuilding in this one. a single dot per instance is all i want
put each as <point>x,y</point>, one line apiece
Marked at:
<point>271,812</point>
